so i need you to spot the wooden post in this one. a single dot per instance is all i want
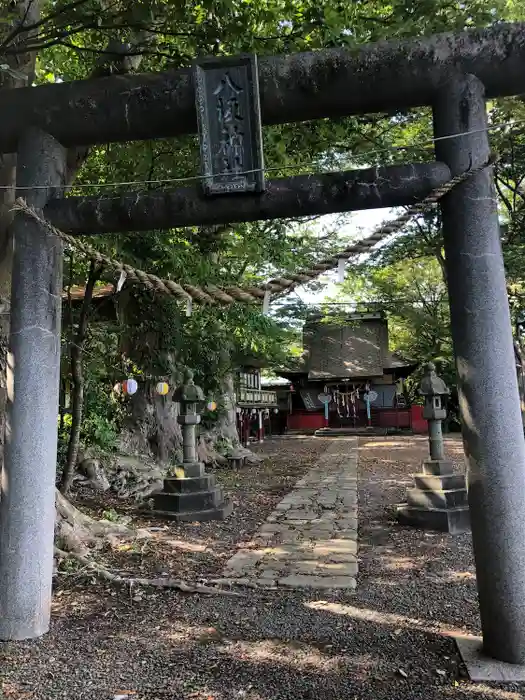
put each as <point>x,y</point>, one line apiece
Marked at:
<point>261,426</point>
<point>27,505</point>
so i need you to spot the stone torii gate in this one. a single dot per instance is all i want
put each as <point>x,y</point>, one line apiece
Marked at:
<point>453,74</point>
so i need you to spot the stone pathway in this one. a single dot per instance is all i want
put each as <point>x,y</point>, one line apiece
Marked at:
<point>310,540</point>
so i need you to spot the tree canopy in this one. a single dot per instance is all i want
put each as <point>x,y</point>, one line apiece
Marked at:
<point>59,40</point>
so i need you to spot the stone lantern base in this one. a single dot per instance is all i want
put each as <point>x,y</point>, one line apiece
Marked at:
<point>438,500</point>
<point>191,496</point>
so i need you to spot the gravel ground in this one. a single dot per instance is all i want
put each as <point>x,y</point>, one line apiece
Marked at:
<point>387,641</point>
<point>194,550</point>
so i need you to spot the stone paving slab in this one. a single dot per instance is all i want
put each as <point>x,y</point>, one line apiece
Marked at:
<point>310,539</point>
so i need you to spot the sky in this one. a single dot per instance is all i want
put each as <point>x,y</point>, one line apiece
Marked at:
<point>361,223</point>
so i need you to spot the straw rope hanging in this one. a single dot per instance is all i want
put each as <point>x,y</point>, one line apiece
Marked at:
<point>211,294</point>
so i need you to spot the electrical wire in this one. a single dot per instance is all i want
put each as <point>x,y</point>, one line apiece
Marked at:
<point>369,304</point>
<point>212,294</point>
<point>197,178</point>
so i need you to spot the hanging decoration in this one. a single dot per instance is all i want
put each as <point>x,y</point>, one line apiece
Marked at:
<point>352,413</point>
<point>341,267</point>
<point>338,398</point>
<point>369,396</point>
<point>121,280</point>
<point>162,388</point>
<point>129,386</point>
<point>266,302</point>
<point>325,398</point>
<point>211,405</point>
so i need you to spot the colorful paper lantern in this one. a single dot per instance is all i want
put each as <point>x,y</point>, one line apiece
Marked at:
<point>129,386</point>
<point>211,406</point>
<point>162,388</point>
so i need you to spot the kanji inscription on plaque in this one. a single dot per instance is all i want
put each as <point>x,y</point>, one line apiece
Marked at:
<point>229,120</point>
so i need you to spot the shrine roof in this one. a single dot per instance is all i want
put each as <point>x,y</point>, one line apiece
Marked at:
<point>350,346</point>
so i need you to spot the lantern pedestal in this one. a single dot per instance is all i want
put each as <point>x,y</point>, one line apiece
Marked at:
<point>438,500</point>
<point>191,496</point>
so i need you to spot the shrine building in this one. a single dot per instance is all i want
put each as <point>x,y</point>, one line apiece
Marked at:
<point>347,364</point>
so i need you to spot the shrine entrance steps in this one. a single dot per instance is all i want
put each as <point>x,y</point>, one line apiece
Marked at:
<point>349,431</point>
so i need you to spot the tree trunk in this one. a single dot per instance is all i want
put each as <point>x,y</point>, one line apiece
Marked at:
<point>227,425</point>
<point>77,399</point>
<point>228,422</point>
<point>152,429</point>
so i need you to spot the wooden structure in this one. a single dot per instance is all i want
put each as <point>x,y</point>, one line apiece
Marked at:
<point>103,300</point>
<point>452,74</point>
<point>347,358</point>
<point>254,404</point>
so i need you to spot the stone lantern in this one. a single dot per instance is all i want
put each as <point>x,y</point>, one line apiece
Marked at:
<point>190,494</point>
<point>438,500</point>
<point>191,400</point>
<point>434,390</point>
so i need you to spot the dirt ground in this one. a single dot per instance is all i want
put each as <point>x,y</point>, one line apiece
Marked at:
<point>389,640</point>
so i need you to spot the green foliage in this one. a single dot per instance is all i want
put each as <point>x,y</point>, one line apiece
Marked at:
<point>102,420</point>
<point>153,336</point>
<point>414,295</point>
<point>99,431</point>
<point>111,515</point>
<point>162,339</point>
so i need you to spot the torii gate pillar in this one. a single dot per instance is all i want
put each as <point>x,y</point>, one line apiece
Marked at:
<point>487,382</point>
<point>27,499</point>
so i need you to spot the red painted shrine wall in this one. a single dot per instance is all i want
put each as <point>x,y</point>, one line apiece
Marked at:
<point>402,418</point>
<point>419,424</point>
<point>305,420</point>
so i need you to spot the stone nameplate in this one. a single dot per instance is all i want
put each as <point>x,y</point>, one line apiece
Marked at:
<point>229,121</point>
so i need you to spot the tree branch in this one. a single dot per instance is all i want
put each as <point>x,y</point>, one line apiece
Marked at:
<point>151,582</point>
<point>22,28</point>
<point>77,402</point>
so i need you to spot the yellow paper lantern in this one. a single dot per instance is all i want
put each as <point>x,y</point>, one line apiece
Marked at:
<point>162,388</point>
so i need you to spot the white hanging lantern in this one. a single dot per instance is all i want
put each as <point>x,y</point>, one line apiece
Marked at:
<point>129,386</point>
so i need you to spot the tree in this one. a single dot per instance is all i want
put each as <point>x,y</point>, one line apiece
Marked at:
<point>75,39</point>
<point>414,295</point>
